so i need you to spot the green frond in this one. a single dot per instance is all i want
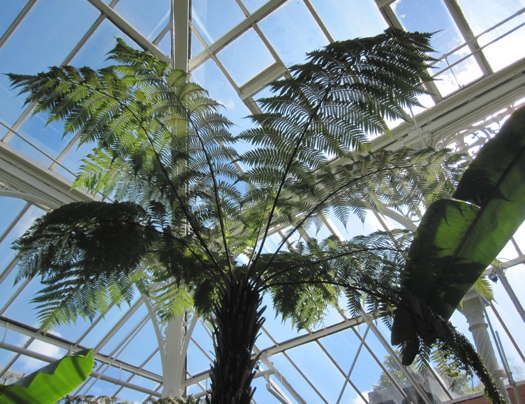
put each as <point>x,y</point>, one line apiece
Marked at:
<point>85,254</point>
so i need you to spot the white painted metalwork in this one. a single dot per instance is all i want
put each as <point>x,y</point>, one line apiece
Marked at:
<point>451,120</point>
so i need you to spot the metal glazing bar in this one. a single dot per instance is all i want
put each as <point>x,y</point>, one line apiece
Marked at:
<point>92,326</point>
<point>383,368</point>
<point>72,346</point>
<point>285,354</point>
<point>129,30</point>
<point>118,350</point>
<point>392,20</point>
<point>13,131</point>
<point>505,328</point>
<point>510,292</point>
<point>502,357</point>
<point>404,369</point>
<point>14,296</point>
<point>451,65</point>
<point>161,34</point>
<point>235,32</point>
<point>16,22</point>
<point>9,268</point>
<point>27,111</point>
<point>352,366</point>
<point>141,365</point>
<point>338,367</point>
<point>516,246</point>
<point>15,357</point>
<point>318,20</point>
<point>119,324</point>
<point>265,40</point>
<point>468,35</point>
<point>12,225</point>
<point>305,339</point>
<point>45,358</point>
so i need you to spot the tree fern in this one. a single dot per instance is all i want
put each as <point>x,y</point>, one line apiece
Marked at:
<point>162,144</point>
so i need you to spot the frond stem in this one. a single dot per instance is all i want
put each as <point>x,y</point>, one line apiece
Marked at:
<point>318,205</point>
<point>286,172</point>
<point>327,259</point>
<point>165,173</point>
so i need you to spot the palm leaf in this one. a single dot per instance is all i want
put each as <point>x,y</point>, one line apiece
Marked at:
<point>51,383</point>
<point>458,239</point>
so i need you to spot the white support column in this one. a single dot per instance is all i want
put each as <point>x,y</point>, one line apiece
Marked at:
<point>472,308</point>
<point>180,33</point>
<point>176,333</point>
<point>173,363</point>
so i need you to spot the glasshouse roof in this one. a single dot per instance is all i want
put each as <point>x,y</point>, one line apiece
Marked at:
<point>234,49</point>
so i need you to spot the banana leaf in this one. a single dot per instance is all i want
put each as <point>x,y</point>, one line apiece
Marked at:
<point>458,238</point>
<point>51,383</point>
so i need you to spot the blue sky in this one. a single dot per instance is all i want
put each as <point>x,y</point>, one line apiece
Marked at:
<point>52,29</point>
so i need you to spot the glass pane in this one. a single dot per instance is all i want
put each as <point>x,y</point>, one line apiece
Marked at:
<point>316,365</point>
<point>165,44</point>
<point>504,42</point>
<point>94,51</point>
<point>148,17</point>
<point>245,57</point>
<point>458,75</point>
<point>48,138</point>
<point>298,381</point>
<point>430,16</point>
<point>10,9</point>
<point>254,5</point>
<point>349,19</point>
<point>483,14</point>
<point>214,18</point>
<point>117,341</point>
<point>39,42</point>
<point>292,31</point>
<point>142,344</point>
<point>11,207</point>
<point>196,46</point>
<point>211,78</point>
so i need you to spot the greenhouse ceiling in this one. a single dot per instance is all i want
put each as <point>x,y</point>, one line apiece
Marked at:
<point>234,49</point>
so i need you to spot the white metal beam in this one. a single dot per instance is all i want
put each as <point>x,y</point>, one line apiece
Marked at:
<point>180,33</point>
<point>468,35</point>
<point>71,346</point>
<point>294,342</point>
<point>461,109</point>
<point>101,376</point>
<point>16,22</point>
<point>31,179</point>
<point>128,29</point>
<point>235,32</point>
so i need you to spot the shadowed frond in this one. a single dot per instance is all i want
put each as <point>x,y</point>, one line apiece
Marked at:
<point>87,255</point>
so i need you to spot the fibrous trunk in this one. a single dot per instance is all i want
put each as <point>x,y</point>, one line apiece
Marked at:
<point>238,320</point>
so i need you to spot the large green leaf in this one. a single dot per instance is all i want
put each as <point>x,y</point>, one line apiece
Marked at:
<point>51,383</point>
<point>458,238</point>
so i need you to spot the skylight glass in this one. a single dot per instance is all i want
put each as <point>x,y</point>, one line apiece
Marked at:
<point>316,371</point>
<point>245,57</point>
<point>147,17</point>
<point>213,19</point>
<point>350,18</point>
<point>293,20</point>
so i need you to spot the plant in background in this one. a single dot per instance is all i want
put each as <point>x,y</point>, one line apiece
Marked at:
<point>195,221</point>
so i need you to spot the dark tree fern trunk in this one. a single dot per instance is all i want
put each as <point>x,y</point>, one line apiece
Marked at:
<point>238,320</point>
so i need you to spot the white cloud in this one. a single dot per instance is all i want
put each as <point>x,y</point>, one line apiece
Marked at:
<point>31,364</point>
<point>358,400</point>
